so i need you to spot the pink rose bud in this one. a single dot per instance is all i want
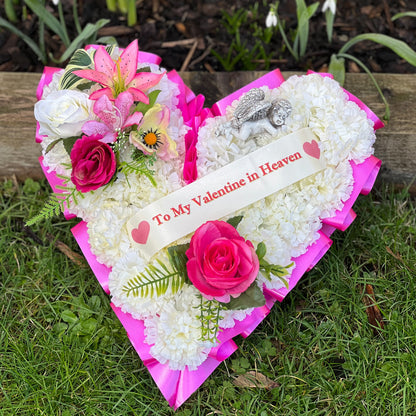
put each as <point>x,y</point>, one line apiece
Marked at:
<point>93,163</point>
<point>221,263</point>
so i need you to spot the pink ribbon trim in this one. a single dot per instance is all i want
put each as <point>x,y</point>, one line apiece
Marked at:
<point>194,116</point>
<point>80,232</point>
<point>54,182</point>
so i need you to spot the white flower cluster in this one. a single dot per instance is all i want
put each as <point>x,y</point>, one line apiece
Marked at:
<point>287,221</point>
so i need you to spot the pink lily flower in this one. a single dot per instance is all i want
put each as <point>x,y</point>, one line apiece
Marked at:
<point>118,76</point>
<point>114,117</point>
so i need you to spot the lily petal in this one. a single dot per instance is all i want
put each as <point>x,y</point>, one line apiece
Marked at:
<point>108,113</point>
<point>123,102</point>
<point>145,80</point>
<point>128,61</point>
<point>92,127</point>
<point>95,76</point>
<point>103,91</point>
<point>135,118</point>
<point>103,62</point>
<point>138,95</point>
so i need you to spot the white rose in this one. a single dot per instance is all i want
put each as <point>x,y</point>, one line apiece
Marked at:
<point>63,113</point>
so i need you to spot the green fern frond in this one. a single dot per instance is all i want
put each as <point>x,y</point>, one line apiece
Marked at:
<point>52,207</point>
<point>210,316</point>
<point>155,280</point>
<point>56,204</point>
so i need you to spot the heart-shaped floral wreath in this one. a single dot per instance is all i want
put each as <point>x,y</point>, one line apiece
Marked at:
<point>119,133</point>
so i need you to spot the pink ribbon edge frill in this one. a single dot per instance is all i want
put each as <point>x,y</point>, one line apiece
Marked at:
<point>175,385</point>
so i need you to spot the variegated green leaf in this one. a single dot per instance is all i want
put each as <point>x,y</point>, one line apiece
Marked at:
<point>81,59</point>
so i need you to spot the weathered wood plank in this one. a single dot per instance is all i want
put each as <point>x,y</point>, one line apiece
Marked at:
<point>396,143</point>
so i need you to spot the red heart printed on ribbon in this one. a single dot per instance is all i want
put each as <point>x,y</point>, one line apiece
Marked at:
<point>312,149</point>
<point>141,233</point>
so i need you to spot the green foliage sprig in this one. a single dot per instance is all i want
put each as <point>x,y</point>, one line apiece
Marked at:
<point>268,269</point>
<point>140,165</point>
<point>210,315</point>
<point>240,53</point>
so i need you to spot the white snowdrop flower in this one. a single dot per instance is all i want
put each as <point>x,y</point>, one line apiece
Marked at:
<point>271,19</point>
<point>331,5</point>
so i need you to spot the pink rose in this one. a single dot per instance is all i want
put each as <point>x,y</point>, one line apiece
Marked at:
<point>93,163</point>
<point>221,263</point>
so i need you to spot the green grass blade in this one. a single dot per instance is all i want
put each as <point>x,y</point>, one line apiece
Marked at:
<point>76,17</point>
<point>122,5</point>
<point>111,5</point>
<point>35,48</point>
<point>285,39</point>
<point>359,63</point>
<point>88,31</point>
<point>131,13</point>
<point>50,20</point>
<point>303,27</point>
<point>62,20</point>
<point>329,18</point>
<point>403,14</point>
<point>9,10</point>
<point>337,68</point>
<point>397,46</point>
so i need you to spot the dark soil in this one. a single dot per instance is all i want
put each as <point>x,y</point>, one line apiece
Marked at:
<point>165,25</point>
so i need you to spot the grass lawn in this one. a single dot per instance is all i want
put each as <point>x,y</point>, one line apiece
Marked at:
<point>63,351</point>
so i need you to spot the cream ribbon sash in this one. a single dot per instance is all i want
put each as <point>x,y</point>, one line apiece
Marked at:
<point>253,177</point>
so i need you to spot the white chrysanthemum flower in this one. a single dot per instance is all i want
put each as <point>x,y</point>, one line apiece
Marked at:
<point>126,269</point>
<point>176,331</point>
<point>107,232</point>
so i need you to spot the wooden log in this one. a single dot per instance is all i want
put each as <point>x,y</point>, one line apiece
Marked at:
<point>395,145</point>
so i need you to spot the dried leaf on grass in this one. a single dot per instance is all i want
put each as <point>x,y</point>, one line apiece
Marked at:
<point>74,257</point>
<point>254,379</point>
<point>373,312</point>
